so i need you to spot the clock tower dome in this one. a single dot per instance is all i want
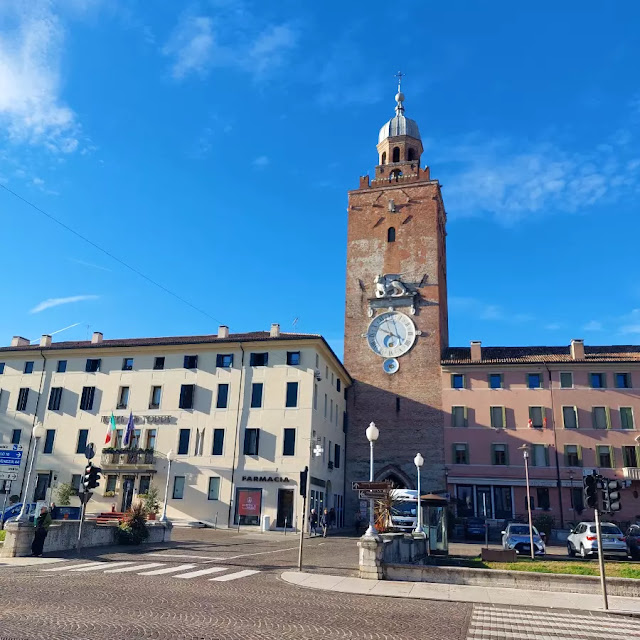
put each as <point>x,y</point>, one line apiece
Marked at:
<point>396,314</point>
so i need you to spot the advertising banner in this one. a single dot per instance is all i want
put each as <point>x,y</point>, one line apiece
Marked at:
<point>249,502</point>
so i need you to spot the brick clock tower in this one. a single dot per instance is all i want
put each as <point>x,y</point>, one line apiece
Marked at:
<point>396,315</point>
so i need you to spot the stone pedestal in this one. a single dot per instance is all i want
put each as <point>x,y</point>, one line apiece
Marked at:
<point>19,536</point>
<point>370,558</point>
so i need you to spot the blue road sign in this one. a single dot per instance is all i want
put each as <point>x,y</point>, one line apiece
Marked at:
<point>12,458</point>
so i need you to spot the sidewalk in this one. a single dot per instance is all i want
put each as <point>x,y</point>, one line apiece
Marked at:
<point>462,593</point>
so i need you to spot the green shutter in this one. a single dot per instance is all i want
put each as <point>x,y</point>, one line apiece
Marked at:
<point>608,413</point>
<point>612,455</point>
<point>504,418</point>
<point>466,417</point>
<point>580,455</point>
<point>546,455</point>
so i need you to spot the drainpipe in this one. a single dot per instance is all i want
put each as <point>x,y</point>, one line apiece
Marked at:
<point>555,446</point>
<point>236,439</point>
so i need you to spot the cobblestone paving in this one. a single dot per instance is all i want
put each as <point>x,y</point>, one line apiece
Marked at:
<point>72,605</point>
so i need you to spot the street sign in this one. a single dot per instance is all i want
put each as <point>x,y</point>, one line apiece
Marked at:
<point>85,496</point>
<point>6,475</point>
<point>10,447</point>
<point>373,494</point>
<point>13,458</point>
<point>371,486</point>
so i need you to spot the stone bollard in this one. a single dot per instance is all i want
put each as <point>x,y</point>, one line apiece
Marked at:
<point>370,558</point>
<point>18,539</point>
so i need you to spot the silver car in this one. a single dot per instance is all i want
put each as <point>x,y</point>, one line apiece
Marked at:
<point>583,540</point>
<point>517,537</point>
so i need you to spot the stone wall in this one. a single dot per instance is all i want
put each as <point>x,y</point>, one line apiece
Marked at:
<point>63,536</point>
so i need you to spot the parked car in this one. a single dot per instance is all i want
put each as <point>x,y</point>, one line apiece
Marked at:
<point>584,540</point>
<point>517,537</point>
<point>475,528</point>
<point>633,541</point>
<point>12,512</point>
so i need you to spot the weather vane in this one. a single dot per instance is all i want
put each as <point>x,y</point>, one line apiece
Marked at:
<point>400,75</point>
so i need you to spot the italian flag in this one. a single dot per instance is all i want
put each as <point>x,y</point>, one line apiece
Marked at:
<point>111,431</point>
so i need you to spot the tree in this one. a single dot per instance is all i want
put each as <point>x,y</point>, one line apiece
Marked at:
<point>63,494</point>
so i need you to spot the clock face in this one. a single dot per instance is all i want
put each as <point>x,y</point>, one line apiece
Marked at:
<point>391,334</point>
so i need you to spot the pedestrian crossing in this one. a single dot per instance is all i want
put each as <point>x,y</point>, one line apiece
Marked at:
<point>505,623</point>
<point>187,571</point>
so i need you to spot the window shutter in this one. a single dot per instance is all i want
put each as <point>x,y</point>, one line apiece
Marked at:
<point>504,418</point>
<point>493,454</point>
<point>566,456</point>
<point>506,454</point>
<point>608,415</point>
<point>453,453</point>
<point>612,455</point>
<point>466,418</point>
<point>546,455</point>
<point>580,455</point>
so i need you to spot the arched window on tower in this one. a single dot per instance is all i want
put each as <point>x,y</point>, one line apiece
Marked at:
<point>411,155</point>
<point>395,174</point>
<point>391,234</point>
<point>383,160</point>
<point>396,154</point>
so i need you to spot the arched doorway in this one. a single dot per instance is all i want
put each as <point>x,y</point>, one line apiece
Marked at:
<point>395,475</point>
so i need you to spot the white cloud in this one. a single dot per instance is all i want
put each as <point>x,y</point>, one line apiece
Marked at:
<point>484,311</point>
<point>594,325</point>
<point>56,302</point>
<point>261,161</point>
<point>553,326</point>
<point>630,322</point>
<point>89,264</point>
<point>31,107</point>
<point>191,46</point>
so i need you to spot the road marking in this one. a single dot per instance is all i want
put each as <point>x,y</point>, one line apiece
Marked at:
<point>135,567</point>
<point>259,553</point>
<point>101,565</point>
<point>159,572</point>
<point>235,576</point>
<point>75,566</point>
<point>182,555</point>
<point>201,572</point>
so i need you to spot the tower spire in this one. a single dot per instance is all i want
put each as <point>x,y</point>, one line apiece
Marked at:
<point>400,95</point>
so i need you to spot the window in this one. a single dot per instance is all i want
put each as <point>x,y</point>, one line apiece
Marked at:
<point>151,439</point>
<point>83,435</point>
<point>178,488</point>
<point>598,380</point>
<point>495,381</point>
<point>119,433</point>
<point>156,395</point>
<point>338,384</point>
<point>325,405</point>
<point>534,381</point>
<point>62,366</point>
<point>23,397</point>
<point>331,410</point>
<point>158,363</point>
<point>577,499</point>
<point>626,417</point>
<point>391,234</point>
<point>251,442</point>
<point>630,456</point>
<point>459,416</point>
<point>411,155</point>
<point>135,439</point>
<point>540,455</point>
<point>566,380</point>
<point>605,456</point>
<point>289,448</point>
<point>218,442</point>
<point>497,415</point>
<point>383,160</point>
<point>570,417</point>
<point>111,483</point>
<point>1,368</point>
<point>600,417</point>
<point>526,500</point>
<point>500,454</point>
<point>191,362</point>
<point>572,455</point>
<point>187,392</point>
<point>543,498</point>
<point>623,380</point>
<point>54,399</point>
<point>28,367</point>
<point>256,395</point>
<point>48,441</point>
<point>16,435</point>
<point>224,360</point>
<point>536,417</point>
<point>293,357</point>
<point>395,154</point>
<point>214,488</point>
<point>93,365</point>
<point>145,483</point>
<point>315,396</point>
<point>292,394</point>
<point>336,460</point>
<point>123,398</point>
<point>127,364</point>
<point>223,396</point>
<point>457,381</point>
<point>258,359</point>
<point>183,442</point>
<point>461,453</point>
<point>75,482</point>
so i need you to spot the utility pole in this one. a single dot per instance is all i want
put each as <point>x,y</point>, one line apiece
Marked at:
<point>304,484</point>
<point>603,582</point>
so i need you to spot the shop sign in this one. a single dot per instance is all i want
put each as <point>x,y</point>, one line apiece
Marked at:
<point>249,502</point>
<point>265,479</point>
<point>140,419</point>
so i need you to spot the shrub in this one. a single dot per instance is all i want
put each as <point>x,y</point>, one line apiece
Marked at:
<point>63,494</point>
<point>150,500</point>
<point>133,529</point>
<point>544,523</point>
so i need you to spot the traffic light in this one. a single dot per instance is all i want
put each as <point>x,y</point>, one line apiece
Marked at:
<point>91,477</point>
<point>590,490</point>
<point>303,481</point>
<point>611,496</point>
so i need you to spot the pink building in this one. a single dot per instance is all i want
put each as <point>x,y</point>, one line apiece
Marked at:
<point>576,407</point>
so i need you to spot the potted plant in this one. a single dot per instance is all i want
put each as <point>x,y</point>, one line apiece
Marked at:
<point>63,494</point>
<point>150,502</point>
<point>133,528</point>
<point>109,494</point>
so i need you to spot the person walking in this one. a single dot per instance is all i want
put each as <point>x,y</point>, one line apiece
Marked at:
<point>313,522</point>
<point>42,524</point>
<point>324,522</point>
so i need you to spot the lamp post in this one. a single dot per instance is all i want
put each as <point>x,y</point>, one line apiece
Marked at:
<point>525,453</point>
<point>372,435</point>
<point>37,433</point>
<point>163,517</point>
<point>419,461</point>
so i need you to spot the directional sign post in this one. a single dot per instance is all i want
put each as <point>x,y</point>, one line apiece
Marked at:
<point>10,455</point>
<point>371,486</point>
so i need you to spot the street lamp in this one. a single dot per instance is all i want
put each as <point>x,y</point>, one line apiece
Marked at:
<point>372,435</point>
<point>163,518</point>
<point>525,452</point>
<point>36,433</point>
<point>419,461</point>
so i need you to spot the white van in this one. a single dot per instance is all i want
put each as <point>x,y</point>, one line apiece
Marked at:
<point>404,512</point>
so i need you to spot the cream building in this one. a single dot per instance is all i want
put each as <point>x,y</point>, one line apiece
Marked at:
<point>242,414</point>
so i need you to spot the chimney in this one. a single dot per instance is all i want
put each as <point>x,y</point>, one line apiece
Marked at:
<point>476,351</point>
<point>577,349</point>
<point>275,331</point>
<point>19,341</point>
<point>223,331</point>
<point>96,338</point>
<point>45,341</point>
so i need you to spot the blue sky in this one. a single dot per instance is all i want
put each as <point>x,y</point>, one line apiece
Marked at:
<point>211,145</point>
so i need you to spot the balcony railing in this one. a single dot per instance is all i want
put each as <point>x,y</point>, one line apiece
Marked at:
<point>631,473</point>
<point>127,457</point>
